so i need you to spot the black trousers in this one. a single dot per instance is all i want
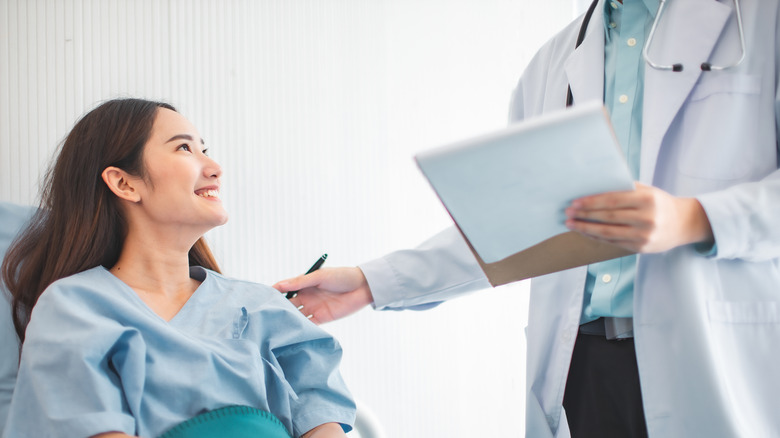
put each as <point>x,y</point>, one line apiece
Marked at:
<point>603,398</point>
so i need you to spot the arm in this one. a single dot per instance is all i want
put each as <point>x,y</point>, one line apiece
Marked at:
<point>307,358</point>
<point>112,435</point>
<point>441,268</point>
<point>327,430</point>
<point>646,220</point>
<point>65,335</point>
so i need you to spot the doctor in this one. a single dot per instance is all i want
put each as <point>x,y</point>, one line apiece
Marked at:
<point>681,340</point>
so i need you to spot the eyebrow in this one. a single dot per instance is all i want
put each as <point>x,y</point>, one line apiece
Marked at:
<point>185,137</point>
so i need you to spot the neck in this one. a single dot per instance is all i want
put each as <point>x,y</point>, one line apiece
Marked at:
<point>155,263</point>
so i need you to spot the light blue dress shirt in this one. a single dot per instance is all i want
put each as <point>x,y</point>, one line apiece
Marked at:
<point>96,358</point>
<point>609,288</point>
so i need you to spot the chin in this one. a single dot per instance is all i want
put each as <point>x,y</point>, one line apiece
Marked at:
<point>219,218</point>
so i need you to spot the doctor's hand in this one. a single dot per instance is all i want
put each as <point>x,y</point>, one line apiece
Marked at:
<point>645,220</point>
<point>329,293</point>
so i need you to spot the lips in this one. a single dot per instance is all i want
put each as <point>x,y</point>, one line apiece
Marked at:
<point>208,192</point>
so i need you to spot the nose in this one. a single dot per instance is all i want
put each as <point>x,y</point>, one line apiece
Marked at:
<point>211,168</point>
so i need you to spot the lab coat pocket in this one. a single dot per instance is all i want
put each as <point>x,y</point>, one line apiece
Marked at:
<point>744,340</point>
<point>719,127</point>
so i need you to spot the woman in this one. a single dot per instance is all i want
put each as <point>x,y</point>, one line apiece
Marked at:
<point>127,327</point>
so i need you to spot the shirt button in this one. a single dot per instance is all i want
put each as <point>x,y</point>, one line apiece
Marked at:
<point>623,98</point>
<point>612,25</point>
<point>613,4</point>
<point>631,42</point>
<point>606,278</point>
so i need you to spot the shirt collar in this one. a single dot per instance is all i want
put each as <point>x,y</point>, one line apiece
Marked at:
<point>611,5</point>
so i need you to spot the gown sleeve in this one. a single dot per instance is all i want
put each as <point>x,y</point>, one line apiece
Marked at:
<point>309,360</point>
<point>67,384</point>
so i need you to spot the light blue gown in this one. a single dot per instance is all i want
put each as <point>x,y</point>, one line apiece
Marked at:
<point>96,359</point>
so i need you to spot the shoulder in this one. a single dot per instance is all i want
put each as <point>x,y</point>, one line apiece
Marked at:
<point>223,283</point>
<point>85,308</point>
<point>560,46</point>
<point>94,291</point>
<point>544,78</point>
<point>93,281</point>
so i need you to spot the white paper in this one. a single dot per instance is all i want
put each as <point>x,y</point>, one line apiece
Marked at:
<point>507,190</point>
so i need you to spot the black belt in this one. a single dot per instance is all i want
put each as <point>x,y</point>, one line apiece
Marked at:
<point>610,328</point>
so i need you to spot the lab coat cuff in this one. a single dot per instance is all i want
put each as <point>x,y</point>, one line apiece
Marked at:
<point>381,281</point>
<point>725,226</point>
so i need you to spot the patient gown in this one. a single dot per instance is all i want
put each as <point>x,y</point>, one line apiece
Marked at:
<point>96,359</point>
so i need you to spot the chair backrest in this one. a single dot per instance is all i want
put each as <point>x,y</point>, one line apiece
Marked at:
<point>12,218</point>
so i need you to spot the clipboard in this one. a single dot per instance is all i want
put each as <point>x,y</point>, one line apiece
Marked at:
<point>561,156</point>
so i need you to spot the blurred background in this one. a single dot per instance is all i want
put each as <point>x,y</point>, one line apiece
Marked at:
<point>314,109</point>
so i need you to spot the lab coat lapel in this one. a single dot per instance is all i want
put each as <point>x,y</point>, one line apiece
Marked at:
<point>585,66</point>
<point>687,33</point>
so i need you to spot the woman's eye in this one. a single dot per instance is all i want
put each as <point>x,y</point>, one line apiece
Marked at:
<point>184,147</point>
<point>206,152</point>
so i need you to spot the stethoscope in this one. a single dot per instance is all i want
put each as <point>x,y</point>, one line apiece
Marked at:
<point>705,66</point>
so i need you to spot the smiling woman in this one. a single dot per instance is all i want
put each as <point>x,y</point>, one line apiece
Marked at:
<point>113,284</point>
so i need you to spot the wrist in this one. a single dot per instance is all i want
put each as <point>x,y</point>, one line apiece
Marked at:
<point>364,291</point>
<point>697,225</point>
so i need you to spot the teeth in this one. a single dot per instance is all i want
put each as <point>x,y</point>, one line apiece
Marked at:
<point>209,194</point>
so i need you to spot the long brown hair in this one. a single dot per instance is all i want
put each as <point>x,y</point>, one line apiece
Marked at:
<point>80,224</point>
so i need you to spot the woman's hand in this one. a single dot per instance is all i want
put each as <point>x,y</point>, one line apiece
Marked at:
<point>645,220</point>
<point>329,293</point>
<point>112,435</point>
<point>327,430</point>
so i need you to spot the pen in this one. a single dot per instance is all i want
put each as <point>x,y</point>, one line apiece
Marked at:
<point>313,268</point>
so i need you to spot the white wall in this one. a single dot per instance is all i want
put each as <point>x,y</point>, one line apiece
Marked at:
<point>314,108</point>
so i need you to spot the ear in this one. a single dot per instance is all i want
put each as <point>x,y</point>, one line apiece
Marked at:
<point>121,183</point>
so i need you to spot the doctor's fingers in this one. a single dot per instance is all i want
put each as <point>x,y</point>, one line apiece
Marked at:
<point>642,197</point>
<point>301,306</point>
<point>635,239</point>
<point>300,282</point>
<point>611,231</point>
<point>629,217</point>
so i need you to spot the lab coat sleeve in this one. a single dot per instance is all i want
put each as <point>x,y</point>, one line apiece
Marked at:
<point>744,220</point>
<point>67,385</point>
<point>744,216</point>
<point>440,268</point>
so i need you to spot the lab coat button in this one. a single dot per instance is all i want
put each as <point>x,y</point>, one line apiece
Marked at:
<point>631,42</point>
<point>606,278</point>
<point>623,98</point>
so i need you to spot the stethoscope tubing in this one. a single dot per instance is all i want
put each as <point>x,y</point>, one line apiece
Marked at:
<point>678,67</point>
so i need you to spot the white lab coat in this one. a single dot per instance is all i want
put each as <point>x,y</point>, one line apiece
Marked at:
<point>707,327</point>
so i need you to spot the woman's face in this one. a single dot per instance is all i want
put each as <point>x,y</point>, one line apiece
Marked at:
<point>182,184</point>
